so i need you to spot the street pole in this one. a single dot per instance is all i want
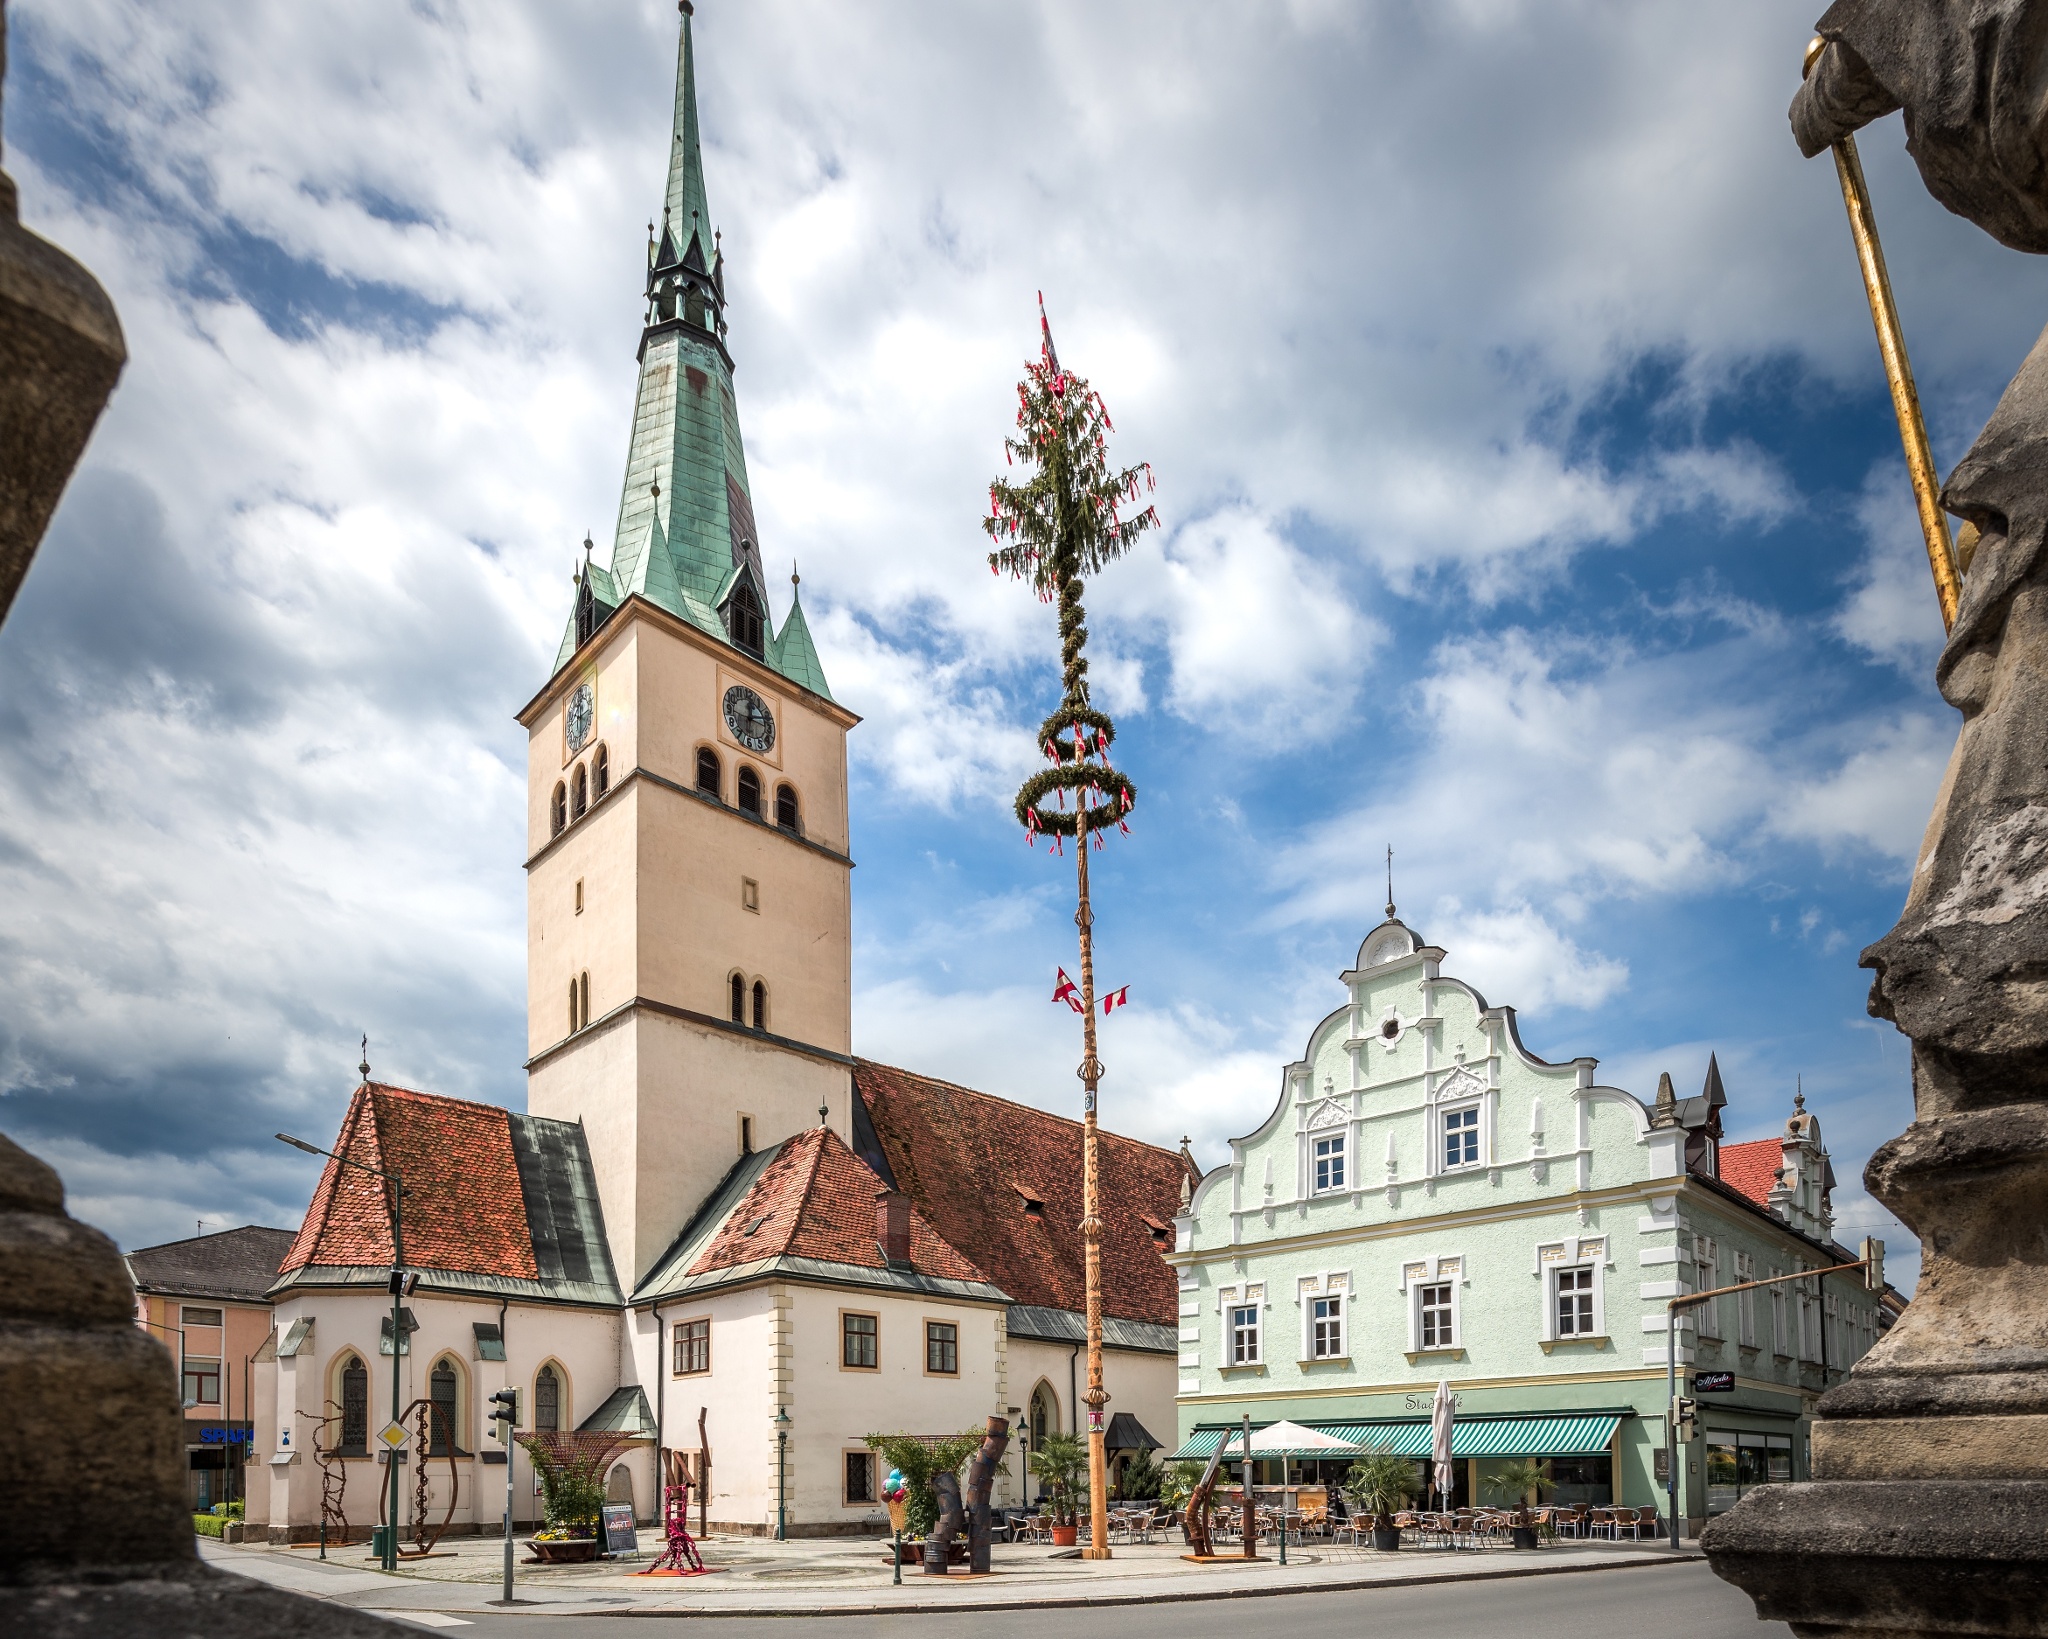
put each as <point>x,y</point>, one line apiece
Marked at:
<point>782,1474</point>
<point>1091,1215</point>
<point>509,1449</point>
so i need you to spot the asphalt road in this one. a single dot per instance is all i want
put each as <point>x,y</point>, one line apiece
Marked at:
<point>1623,1604</point>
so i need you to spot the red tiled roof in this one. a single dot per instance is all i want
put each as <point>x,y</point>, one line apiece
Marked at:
<point>816,1199</point>
<point>965,1159</point>
<point>464,1210</point>
<point>1753,1168</point>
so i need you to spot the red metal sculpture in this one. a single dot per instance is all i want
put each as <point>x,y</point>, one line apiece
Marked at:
<point>679,1557</point>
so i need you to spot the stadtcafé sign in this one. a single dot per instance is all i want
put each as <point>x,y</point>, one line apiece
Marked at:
<point>1427,1402</point>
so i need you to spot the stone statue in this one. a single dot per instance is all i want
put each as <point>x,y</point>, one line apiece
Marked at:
<point>1928,1507</point>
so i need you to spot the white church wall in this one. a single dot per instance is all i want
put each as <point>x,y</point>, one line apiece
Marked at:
<point>1142,1384</point>
<point>735,1395</point>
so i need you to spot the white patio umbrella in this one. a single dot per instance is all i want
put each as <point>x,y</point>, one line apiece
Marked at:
<point>1441,1414</point>
<point>1285,1439</point>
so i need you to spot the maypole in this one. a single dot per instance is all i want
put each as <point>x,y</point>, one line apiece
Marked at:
<point>1062,525</point>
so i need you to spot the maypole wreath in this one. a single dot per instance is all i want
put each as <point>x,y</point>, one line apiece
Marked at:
<point>1065,523</point>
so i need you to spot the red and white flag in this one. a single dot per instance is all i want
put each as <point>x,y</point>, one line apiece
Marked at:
<point>1120,997</point>
<point>1068,992</point>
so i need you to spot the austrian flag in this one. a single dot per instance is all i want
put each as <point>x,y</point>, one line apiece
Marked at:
<point>1120,997</point>
<point>1068,992</point>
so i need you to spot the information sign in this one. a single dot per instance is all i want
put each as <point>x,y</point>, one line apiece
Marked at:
<point>619,1535</point>
<point>1713,1382</point>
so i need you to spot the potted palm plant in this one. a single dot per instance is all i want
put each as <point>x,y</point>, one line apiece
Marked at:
<point>1517,1480</point>
<point>1379,1484</point>
<point>1060,1461</point>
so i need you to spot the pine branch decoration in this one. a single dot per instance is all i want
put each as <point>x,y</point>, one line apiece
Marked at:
<point>1065,522</point>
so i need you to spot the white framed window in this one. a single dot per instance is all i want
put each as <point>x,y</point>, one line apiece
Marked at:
<point>1745,1302</point>
<point>1436,1316</point>
<point>1572,1294</point>
<point>1781,1337</point>
<point>1461,1137</point>
<point>1243,1330</point>
<point>1326,1328</point>
<point>1327,1162</point>
<point>1706,1258</point>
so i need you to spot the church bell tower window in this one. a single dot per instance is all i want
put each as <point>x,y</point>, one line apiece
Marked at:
<point>743,620</point>
<point>750,792</point>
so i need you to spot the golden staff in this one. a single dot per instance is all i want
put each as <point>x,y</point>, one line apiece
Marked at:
<point>1898,371</point>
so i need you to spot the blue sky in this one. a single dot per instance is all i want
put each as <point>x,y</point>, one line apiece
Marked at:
<point>1532,505</point>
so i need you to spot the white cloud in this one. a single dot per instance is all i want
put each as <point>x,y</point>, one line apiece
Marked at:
<point>1891,612</point>
<point>1516,955</point>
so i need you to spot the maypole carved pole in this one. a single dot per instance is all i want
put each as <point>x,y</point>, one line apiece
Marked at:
<point>1061,526</point>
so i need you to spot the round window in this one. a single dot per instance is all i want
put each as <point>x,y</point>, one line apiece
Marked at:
<point>1390,1029</point>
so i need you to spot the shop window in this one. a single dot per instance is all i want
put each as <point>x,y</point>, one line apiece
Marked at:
<point>693,1346</point>
<point>941,1348</point>
<point>1326,1328</point>
<point>355,1408</point>
<point>750,792</point>
<point>860,1478</point>
<point>710,774</point>
<point>547,1401</point>
<point>1329,1163</point>
<point>1461,1137</point>
<point>1739,1462</point>
<point>860,1342</point>
<point>1244,1335</point>
<point>202,1382</point>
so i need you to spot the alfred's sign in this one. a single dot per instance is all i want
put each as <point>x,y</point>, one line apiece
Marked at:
<point>1713,1382</point>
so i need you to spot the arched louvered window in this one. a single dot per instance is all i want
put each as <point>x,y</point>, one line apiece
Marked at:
<point>710,776</point>
<point>601,772</point>
<point>443,1394</point>
<point>739,999</point>
<point>786,810</point>
<point>750,792</point>
<point>579,794</point>
<point>743,621</point>
<point>760,1005</point>
<point>558,810</point>
<point>355,1407</point>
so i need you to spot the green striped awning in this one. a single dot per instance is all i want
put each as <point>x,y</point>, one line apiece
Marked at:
<point>1561,1434</point>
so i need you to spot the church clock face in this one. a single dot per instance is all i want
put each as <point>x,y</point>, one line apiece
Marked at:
<point>580,716</point>
<point>749,718</point>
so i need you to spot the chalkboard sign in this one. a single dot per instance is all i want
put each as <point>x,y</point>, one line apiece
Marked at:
<point>619,1535</point>
<point>1713,1382</point>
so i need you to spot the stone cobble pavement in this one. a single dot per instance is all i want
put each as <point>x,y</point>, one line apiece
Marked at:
<point>828,1576</point>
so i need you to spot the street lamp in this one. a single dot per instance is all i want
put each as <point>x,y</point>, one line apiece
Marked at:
<point>397,1198</point>
<point>782,1474</point>
<point>1024,1452</point>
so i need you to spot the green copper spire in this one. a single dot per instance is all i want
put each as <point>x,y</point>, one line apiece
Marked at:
<point>686,539</point>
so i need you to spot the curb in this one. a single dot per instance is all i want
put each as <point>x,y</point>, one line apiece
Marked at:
<point>1099,1601</point>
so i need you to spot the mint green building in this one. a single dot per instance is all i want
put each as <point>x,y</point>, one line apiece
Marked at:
<point>1430,1201</point>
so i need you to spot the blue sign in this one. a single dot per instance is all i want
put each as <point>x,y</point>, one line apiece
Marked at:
<point>213,1434</point>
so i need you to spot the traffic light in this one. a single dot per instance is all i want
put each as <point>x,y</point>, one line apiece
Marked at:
<point>1685,1420</point>
<point>505,1417</point>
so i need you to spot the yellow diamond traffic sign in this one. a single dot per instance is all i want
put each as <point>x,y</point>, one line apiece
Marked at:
<point>394,1435</point>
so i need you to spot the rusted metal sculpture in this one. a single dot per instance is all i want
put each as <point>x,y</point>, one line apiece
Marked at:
<point>424,1537</point>
<point>1196,1526</point>
<point>703,1473</point>
<point>333,1478</point>
<point>981,1478</point>
<point>939,1545</point>
<point>679,1557</point>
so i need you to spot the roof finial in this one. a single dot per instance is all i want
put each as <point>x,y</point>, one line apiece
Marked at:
<point>588,545</point>
<point>1799,1092</point>
<point>794,578</point>
<point>365,1065</point>
<point>824,1115</point>
<point>1390,882</point>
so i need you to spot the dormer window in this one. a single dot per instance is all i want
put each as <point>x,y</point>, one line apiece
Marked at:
<point>743,620</point>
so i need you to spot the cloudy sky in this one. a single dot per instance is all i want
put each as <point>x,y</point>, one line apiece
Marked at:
<point>1532,503</point>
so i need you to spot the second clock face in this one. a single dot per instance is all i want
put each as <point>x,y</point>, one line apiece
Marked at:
<point>749,718</point>
<point>581,716</point>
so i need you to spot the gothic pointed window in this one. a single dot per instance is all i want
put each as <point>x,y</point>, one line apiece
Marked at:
<point>575,1020</point>
<point>710,776</point>
<point>355,1407</point>
<point>442,1395</point>
<point>760,1005</point>
<point>601,771</point>
<point>547,1401</point>
<point>739,999</point>
<point>785,809</point>
<point>579,794</point>
<point>750,792</point>
<point>743,620</point>
<point>558,809</point>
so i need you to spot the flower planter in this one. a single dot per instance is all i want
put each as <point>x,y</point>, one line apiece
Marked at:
<point>565,1551</point>
<point>912,1553</point>
<point>1065,1536</point>
<point>1522,1536</point>
<point>1386,1539</point>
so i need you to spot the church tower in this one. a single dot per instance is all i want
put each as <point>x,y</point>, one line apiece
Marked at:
<point>689,944</point>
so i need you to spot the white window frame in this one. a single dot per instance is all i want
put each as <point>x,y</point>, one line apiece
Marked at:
<point>1782,1343</point>
<point>1706,1260</point>
<point>1446,1312</point>
<point>1334,1346</point>
<point>1338,1158</point>
<point>1247,1295</point>
<point>1745,1302</point>
<point>1330,1285</point>
<point>1446,1270</point>
<point>1476,1131</point>
<point>1552,1259</point>
<point>1235,1331</point>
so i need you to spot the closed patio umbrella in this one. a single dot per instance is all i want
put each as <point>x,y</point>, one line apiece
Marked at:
<point>1441,1414</point>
